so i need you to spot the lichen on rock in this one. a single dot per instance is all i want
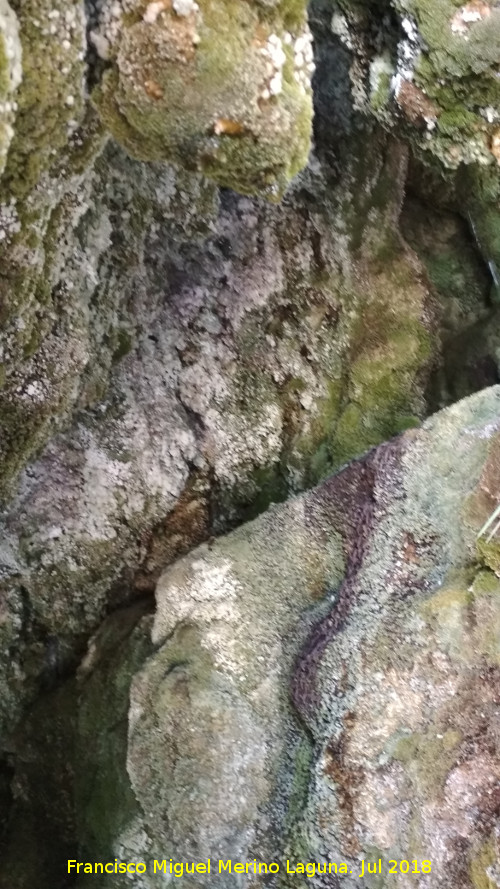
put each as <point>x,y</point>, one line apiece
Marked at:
<point>10,76</point>
<point>177,355</point>
<point>50,99</point>
<point>188,712</point>
<point>430,69</point>
<point>216,87</point>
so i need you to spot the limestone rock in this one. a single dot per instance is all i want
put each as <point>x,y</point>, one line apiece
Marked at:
<point>405,728</point>
<point>50,99</point>
<point>431,70</point>
<point>215,87</point>
<point>261,726</point>
<point>174,358</point>
<point>242,363</point>
<point>10,76</point>
<point>404,756</point>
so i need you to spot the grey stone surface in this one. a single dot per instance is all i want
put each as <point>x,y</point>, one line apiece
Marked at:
<point>174,358</point>
<point>398,757</point>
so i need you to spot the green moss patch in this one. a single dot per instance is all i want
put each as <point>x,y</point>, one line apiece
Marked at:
<point>199,104</point>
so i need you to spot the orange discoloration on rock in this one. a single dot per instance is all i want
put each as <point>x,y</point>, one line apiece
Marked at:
<point>223,126</point>
<point>188,525</point>
<point>174,35</point>
<point>347,779</point>
<point>410,549</point>
<point>153,89</point>
<point>495,145</point>
<point>468,15</point>
<point>415,104</point>
<point>261,35</point>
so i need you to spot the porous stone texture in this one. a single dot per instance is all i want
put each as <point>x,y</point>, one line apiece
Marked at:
<point>434,66</point>
<point>175,357</point>
<point>406,733</point>
<point>221,87</point>
<point>403,742</point>
<point>247,360</point>
<point>66,250</point>
<point>431,72</point>
<point>10,76</point>
<point>225,631</point>
<point>79,222</point>
<point>185,719</point>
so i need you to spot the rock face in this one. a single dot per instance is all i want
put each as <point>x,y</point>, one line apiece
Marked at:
<point>239,368</point>
<point>431,71</point>
<point>434,65</point>
<point>322,687</point>
<point>10,76</point>
<point>83,230</point>
<point>179,349</point>
<point>401,709</point>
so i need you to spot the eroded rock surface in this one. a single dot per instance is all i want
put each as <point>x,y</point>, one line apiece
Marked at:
<point>175,357</point>
<point>391,750</point>
<point>431,71</point>
<point>434,65</point>
<point>241,364</point>
<point>10,76</point>
<point>221,87</point>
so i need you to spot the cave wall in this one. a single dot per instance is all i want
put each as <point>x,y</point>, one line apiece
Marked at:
<point>210,301</point>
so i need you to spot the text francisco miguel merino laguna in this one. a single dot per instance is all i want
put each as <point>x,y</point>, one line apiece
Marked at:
<point>179,868</point>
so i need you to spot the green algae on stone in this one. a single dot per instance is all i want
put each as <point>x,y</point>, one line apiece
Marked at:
<point>373,385</point>
<point>10,76</point>
<point>465,618</point>
<point>458,70</point>
<point>489,553</point>
<point>106,805</point>
<point>391,347</point>
<point>434,77</point>
<point>484,859</point>
<point>429,756</point>
<point>50,97</point>
<point>215,90</point>
<point>41,197</point>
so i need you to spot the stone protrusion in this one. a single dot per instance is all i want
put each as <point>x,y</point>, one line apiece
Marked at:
<point>213,87</point>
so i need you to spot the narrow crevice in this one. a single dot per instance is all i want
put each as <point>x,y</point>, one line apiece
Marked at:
<point>468,320</point>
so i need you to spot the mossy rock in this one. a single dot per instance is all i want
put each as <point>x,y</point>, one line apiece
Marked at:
<point>215,90</point>
<point>457,71</point>
<point>434,76</point>
<point>10,75</point>
<point>51,96</point>
<point>391,347</point>
<point>489,552</point>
